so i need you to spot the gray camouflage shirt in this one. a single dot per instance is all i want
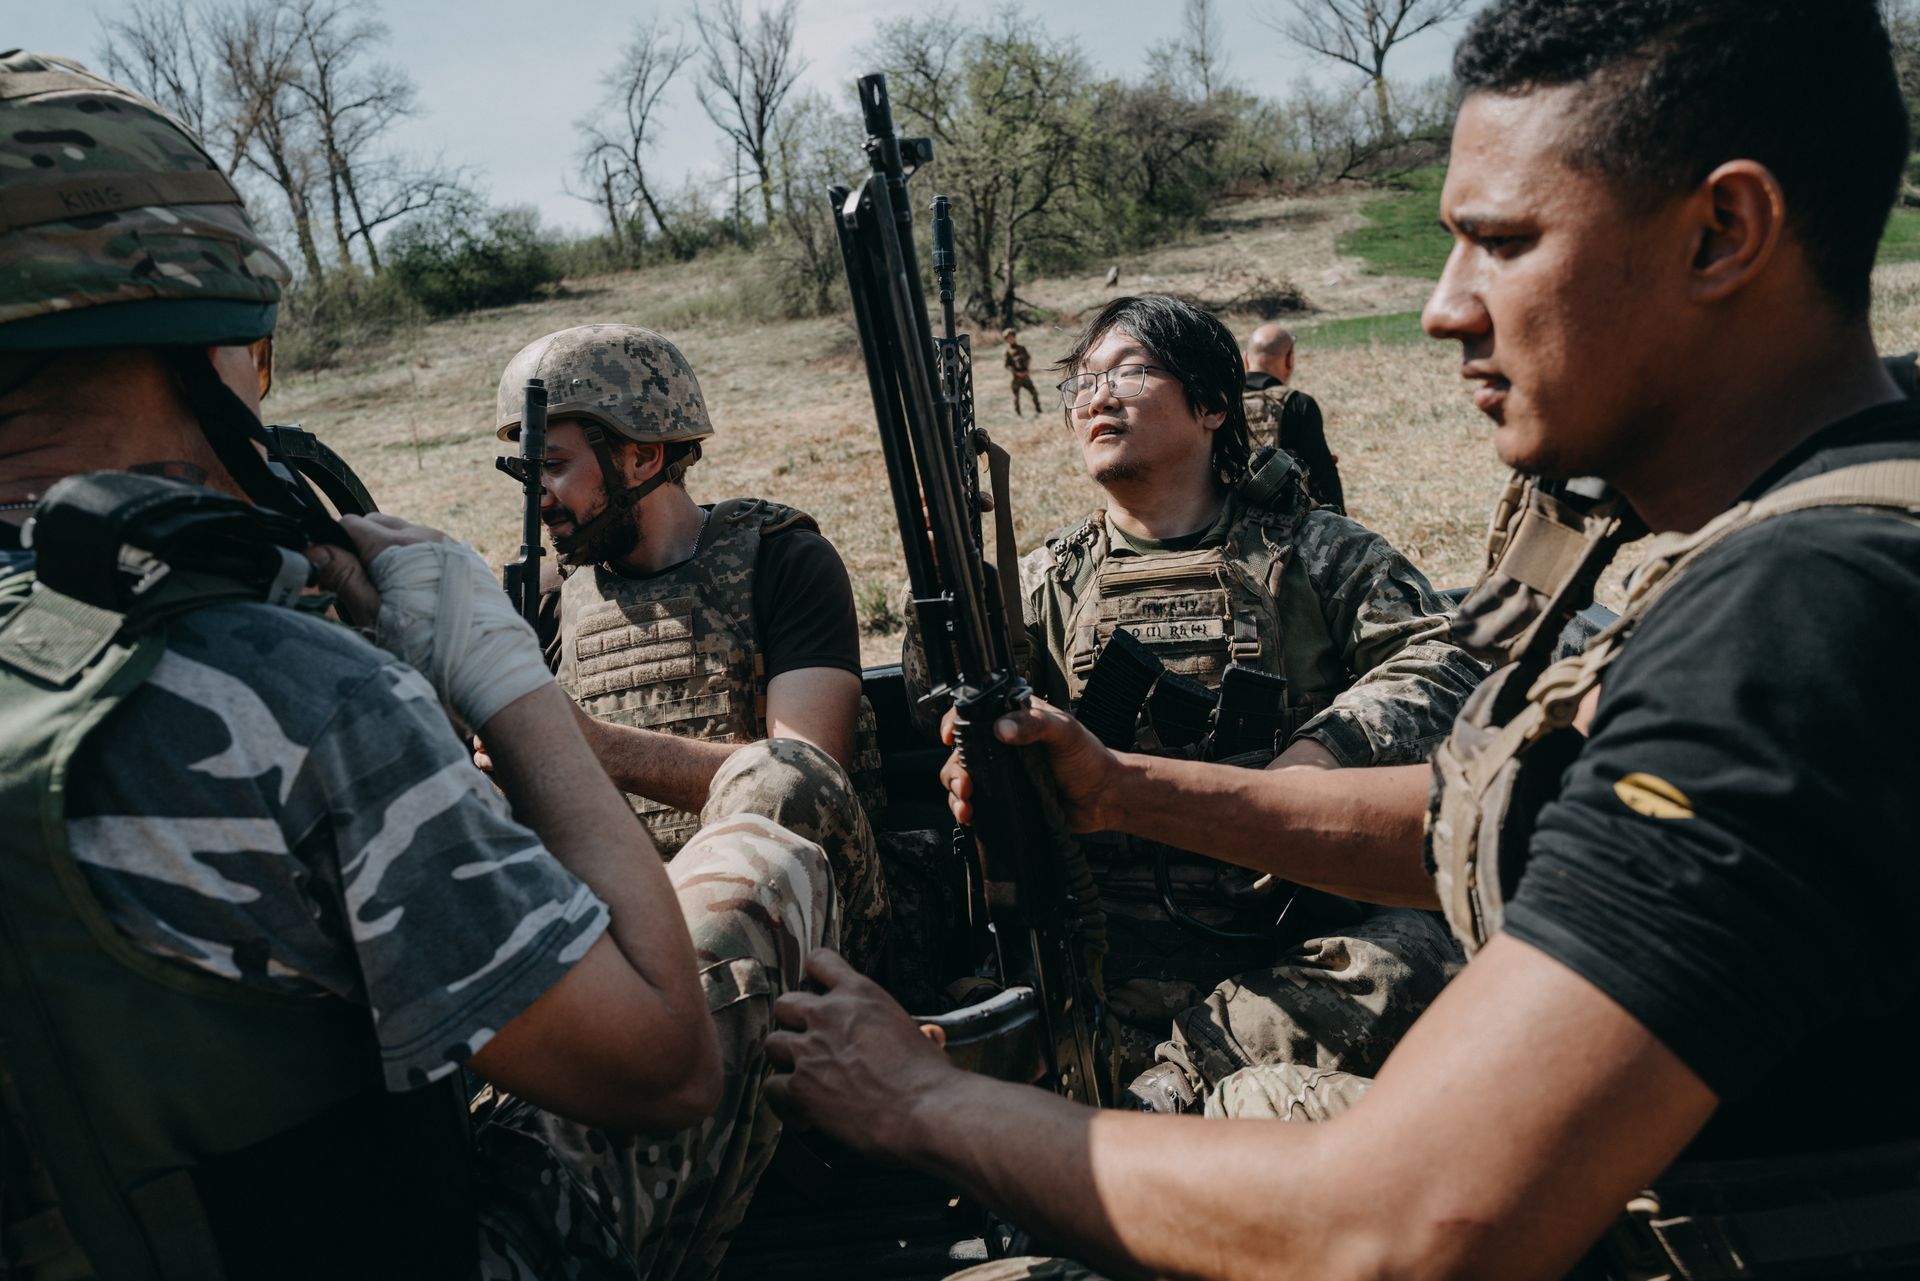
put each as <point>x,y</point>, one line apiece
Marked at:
<point>284,805</point>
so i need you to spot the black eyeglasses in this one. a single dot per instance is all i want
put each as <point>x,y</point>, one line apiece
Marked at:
<point>1126,380</point>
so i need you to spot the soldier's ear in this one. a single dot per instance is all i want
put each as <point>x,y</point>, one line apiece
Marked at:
<point>641,459</point>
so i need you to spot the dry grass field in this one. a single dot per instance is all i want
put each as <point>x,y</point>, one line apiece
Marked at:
<point>793,420</point>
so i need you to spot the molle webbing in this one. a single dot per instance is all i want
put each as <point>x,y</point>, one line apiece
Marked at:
<point>1474,818</point>
<point>675,652</point>
<point>1545,552</point>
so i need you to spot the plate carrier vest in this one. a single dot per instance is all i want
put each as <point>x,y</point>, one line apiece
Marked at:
<point>161,1123</point>
<point>677,652</point>
<point>1514,737</point>
<point>1198,610</point>
<point>1263,409</point>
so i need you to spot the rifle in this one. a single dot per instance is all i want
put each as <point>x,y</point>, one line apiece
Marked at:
<point>1049,934</point>
<point>521,577</point>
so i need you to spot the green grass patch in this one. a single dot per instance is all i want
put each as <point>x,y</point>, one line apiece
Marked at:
<point>1902,241</point>
<point>1393,327</point>
<point>1403,236</point>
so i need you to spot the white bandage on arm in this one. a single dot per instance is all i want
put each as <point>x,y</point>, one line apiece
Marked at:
<point>442,613</point>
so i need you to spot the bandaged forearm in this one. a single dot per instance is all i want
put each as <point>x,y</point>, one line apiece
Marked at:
<point>442,613</point>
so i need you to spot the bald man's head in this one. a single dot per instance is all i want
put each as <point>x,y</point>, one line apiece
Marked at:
<point>1270,350</point>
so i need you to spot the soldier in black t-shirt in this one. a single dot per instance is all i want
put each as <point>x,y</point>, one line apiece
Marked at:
<point>1684,858</point>
<point>686,631</point>
<point>1286,417</point>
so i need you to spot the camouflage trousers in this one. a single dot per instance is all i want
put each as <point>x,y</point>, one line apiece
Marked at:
<point>805,791</point>
<point>1335,1004</point>
<point>1024,382</point>
<point>565,1200</point>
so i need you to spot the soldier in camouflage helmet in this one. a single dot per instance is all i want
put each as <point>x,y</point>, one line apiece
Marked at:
<point>257,908</point>
<point>1210,557</point>
<point>687,630</point>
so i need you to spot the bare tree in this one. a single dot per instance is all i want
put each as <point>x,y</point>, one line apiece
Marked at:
<point>1003,108</point>
<point>350,105</point>
<point>155,47</point>
<point>1360,34</point>
<point>746,72</point>
<point>620,132</point>
<point>814,147</point>
<point>1197,60</point>
<point>258,54</point>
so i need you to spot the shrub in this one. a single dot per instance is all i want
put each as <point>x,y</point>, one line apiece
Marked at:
<point>461,257</point>
<point>320,321</point>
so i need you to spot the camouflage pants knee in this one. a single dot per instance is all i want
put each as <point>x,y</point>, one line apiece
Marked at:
<point>805,791</point>
<point>1337,1004</point>
<point>1285,1092</point>
<point>565,1200</point>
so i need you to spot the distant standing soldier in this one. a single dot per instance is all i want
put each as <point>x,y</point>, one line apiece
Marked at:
<point>1286,417</point>
<point>1018,362</point>
<point>687,631</point>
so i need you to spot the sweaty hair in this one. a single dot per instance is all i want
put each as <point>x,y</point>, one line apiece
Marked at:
<point>1195,348</point>
<point>1675,88</point>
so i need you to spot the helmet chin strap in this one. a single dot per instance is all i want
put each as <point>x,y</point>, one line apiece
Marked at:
<point>233,430</point>
<point>590,538</point>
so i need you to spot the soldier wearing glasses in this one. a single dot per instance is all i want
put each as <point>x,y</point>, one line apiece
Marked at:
<point>1210,554</point>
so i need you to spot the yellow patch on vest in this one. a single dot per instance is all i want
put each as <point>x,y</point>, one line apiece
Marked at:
<point>1653,797</point>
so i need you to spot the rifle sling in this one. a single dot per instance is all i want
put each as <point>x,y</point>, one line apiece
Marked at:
<point>1006,551</point>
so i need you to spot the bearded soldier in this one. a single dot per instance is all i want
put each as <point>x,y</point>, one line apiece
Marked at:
<point>1683,859</point>
<point>257,908</point>
<point>687,631</point>
<point>1206,559</point>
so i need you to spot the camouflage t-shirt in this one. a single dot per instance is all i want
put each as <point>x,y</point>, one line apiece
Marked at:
<point>286,806</point>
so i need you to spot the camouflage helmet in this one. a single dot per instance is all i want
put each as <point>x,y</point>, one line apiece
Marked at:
<point>117,229</point>
<point>630,380</point>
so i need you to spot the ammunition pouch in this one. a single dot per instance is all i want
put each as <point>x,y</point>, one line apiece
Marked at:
<point>1129,682</point>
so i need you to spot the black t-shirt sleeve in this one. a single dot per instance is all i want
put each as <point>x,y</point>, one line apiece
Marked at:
<point>803,605</point>
<point>1775,692</point>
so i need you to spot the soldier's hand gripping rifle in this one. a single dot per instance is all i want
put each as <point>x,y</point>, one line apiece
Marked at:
<point>521,577</point>
<point>1050,1023</point>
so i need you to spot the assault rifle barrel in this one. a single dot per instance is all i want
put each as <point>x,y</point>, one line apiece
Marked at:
<point>521,577</point>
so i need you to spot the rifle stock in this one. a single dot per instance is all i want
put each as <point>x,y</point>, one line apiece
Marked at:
<point>1047,926</point>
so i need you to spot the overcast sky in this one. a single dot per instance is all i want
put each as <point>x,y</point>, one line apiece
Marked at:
<point>501,82</point>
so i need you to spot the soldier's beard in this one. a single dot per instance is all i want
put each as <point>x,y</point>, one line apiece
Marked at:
<point>595,541</point>
<point>1118,472</point>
